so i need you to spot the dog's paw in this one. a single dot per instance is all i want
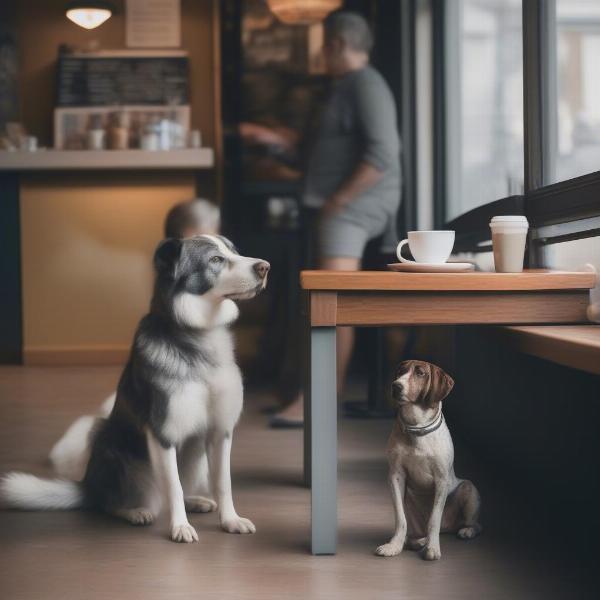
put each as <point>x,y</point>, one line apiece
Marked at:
<point>200,504</point>
<point>389,549</point>
<point>238,525</point>
<point>184,534</point>
<point>135,516</point>
<point>431,553</point>
<point>468,533</point>
<point>140,516</point>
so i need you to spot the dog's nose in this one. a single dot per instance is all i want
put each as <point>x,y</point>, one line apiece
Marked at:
<point>261,268</point>
<point>397,388</point>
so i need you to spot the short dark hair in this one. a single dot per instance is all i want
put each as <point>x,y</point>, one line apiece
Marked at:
<point>197,213</point>
<point>350,27</point>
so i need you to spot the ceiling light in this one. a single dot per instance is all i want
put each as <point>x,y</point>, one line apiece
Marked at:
<point>302,12</point>
<point>89,15</point>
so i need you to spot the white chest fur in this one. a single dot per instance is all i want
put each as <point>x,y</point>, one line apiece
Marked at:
<point>213,399</point>
<point>187,411</point>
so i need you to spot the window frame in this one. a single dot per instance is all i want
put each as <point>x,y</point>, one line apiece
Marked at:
<point>440,165</point>
<point>557,212</point>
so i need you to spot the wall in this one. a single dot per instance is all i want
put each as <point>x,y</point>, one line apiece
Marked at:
<point>87,245</point>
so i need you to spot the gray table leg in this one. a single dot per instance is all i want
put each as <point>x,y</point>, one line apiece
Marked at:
<point>322,413</point>
<point>307,429</point>
<point>306,331</point>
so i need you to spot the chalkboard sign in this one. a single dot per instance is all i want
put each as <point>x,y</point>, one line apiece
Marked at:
<point>122,80</point>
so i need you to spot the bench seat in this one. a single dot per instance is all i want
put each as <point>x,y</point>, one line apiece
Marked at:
<point>575,346</point>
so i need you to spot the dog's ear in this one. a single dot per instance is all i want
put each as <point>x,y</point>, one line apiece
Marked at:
<point>228,243</point>
<point>166,256</point>
<point>440,385</point>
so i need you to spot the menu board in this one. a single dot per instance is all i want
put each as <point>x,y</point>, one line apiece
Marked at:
<point>121,80</point>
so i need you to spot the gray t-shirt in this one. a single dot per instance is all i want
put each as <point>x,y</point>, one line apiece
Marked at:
<point>357,123</point>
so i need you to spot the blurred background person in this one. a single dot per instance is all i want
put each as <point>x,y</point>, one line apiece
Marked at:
<point>352,180</point>
<point>195,217</point>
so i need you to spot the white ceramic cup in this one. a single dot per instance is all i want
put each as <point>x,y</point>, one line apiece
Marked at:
<point>28,143</point>
<point>428,247</point>
<point>509,234</point>
<point>195,138</point>
<point>150,141</point>
<point>96,139</point>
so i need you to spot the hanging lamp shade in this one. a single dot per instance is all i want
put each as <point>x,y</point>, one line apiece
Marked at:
<point>89,15</point>
<point>302,12</point>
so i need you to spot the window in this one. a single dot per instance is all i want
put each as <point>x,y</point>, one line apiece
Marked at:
<point>577,47</point>
<point>484,102</point>
<point>492,59</point>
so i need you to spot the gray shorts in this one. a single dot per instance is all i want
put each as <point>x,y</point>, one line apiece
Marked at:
<point>347,233</point>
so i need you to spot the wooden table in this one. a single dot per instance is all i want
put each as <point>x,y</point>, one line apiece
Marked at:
<point>373,298</point>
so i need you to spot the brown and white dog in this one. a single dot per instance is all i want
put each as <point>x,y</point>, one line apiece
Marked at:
<point>427,495</point>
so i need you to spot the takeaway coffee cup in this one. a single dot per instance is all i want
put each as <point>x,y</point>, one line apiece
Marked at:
<point>509,234</point>
<point>428,247</point>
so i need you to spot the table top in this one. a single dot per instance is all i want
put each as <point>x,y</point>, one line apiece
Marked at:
<point>475,281</point>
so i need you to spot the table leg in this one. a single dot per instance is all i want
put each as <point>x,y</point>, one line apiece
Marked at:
<point>322,434</point>
<point>307,427</point>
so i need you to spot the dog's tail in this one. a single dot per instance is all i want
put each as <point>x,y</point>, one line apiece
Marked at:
<point>28,492</point>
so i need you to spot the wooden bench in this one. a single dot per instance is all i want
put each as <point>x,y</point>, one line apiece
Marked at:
<point>575,346</point>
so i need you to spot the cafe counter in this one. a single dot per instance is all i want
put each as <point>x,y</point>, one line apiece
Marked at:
<point>77,234</point>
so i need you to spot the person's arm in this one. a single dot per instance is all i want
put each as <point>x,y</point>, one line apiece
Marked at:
<point>376,114</point>
<point>364,177</point>
<point>255,133</point>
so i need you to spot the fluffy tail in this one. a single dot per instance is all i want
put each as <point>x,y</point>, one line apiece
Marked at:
<point>70,455</point>
<point>27,492</point>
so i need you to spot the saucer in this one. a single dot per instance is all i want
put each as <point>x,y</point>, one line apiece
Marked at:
<point>448,267</point>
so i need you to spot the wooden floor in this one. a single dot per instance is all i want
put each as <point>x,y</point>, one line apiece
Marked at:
<point>78,555</point>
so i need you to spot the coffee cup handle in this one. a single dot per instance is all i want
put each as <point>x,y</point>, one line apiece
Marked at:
<point>399,253</point>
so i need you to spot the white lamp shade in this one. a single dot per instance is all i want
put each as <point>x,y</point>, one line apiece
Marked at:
<point>88,18</point>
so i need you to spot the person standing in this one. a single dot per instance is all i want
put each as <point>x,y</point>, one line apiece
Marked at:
<point>353,179</point>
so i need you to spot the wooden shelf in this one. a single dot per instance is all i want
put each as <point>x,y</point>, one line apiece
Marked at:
<point>529,280</point>
<point>83,160</point>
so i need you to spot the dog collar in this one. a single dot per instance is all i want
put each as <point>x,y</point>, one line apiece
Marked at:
<point>421,430</point>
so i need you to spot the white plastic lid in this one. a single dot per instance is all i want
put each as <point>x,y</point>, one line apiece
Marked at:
<point>513,219</point>
<point>518,222</point>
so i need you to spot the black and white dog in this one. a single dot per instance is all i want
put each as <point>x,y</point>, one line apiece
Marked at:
<point>178,400</point>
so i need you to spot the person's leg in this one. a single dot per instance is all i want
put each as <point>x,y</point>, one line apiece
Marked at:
<point>339,245</point>
<point>294,412</point>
